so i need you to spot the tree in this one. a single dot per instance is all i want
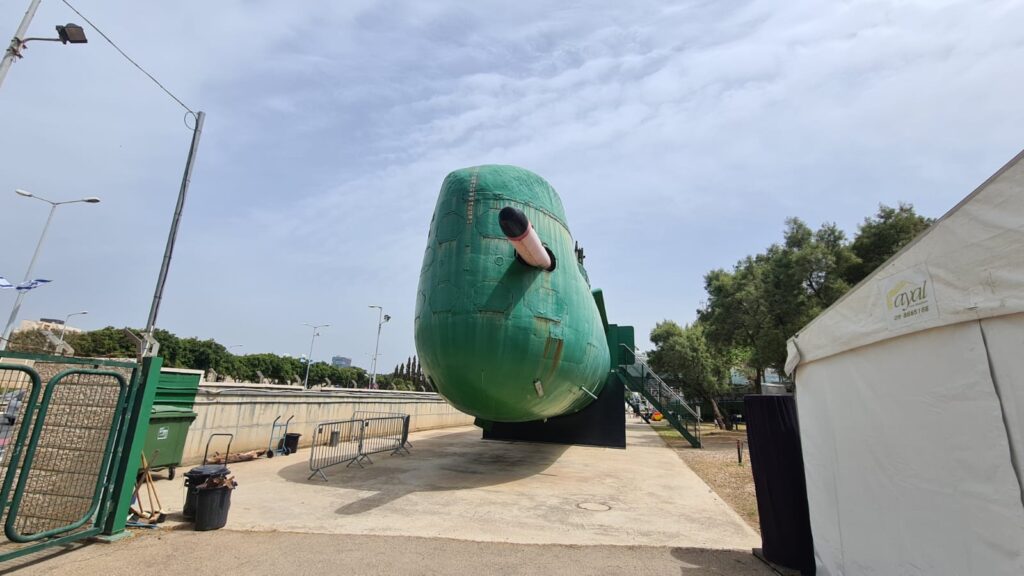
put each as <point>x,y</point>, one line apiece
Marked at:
<point>349,377</point>
<point>737,314</point>
<point>419,378</point>
<point>194,353</point>
<point>279,369</point>
<point>684,356</point>
<point>882,236</point>
<point>818,261</point>
<point>210,354</point>
<point>767,298</point>
<point>752,310</point>
<point>33,341</point>
<point>108,342</point>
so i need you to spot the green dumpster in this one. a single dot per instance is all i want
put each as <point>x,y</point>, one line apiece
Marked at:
<point>165,440</point>
<point>177,387</point>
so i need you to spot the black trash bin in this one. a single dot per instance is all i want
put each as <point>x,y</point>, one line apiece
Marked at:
<point>291,442</point>
<point>212,504</point>
<point>208,495</point>
<point>197,477</point>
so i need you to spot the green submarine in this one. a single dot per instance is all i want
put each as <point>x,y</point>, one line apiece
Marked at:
<point>507,328</point>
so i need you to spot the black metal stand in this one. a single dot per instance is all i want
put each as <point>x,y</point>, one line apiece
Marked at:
<point>602,423</point>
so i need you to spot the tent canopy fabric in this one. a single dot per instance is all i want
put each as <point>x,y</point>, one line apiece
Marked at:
<point>910,392</point>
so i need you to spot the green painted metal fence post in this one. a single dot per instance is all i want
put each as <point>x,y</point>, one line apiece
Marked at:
<point>123,478</point>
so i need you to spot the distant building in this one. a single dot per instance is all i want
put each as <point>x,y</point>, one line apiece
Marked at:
<point>51,324</point>
<point>738,378</point>
<point>341,362</point>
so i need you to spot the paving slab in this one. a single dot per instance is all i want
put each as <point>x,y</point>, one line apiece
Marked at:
<point>454,485</point>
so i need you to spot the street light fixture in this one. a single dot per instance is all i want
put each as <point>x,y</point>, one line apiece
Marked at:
<point>382,318</point>
<point>27,194</point>
<point>309,359</point>
<point>66,34</point>
<point>66,318</point>
<point>28,274</point>
<point>71,34</point>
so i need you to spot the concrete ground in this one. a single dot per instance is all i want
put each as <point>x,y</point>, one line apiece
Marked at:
<point>227,552</point>
<point>455,505</point>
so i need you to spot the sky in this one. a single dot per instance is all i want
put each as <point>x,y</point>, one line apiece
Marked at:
<point>680,136</point>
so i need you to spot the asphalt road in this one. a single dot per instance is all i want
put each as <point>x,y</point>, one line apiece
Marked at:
<point>229,552</point>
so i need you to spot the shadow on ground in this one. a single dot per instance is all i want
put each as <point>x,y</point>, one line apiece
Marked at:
<point>724,562</point>
<point>30,560</point>
<point>456,461</point>
<point>187,552</point>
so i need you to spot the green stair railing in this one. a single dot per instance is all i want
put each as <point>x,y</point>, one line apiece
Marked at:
<point>639,377</point>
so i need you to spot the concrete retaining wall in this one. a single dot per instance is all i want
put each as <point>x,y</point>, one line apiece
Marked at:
<point>248,410</point>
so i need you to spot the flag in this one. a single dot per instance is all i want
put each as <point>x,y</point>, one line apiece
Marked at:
<point>27,285</point>
<point>30,284</point>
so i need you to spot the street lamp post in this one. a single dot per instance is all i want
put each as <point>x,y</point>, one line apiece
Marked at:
<point>309,359</point>
<point>68,34</point>
<point>149,346</point>
<point>68,317</point>
<point>35,256</point>
<point>382,318</point>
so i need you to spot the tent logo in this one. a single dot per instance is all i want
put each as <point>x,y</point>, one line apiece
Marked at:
<point>907,298</point>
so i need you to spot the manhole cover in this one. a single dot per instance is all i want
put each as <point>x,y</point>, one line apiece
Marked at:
<point>593,506</point>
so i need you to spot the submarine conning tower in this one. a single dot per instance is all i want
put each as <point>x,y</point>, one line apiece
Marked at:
<point>502,333</point>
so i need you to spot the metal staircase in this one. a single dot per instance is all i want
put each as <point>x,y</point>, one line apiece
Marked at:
<point>639,377</point>
<point>637,408</point>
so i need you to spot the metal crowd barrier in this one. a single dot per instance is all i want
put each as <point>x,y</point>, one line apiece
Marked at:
<point>405,425</point>
<point>352,441</point>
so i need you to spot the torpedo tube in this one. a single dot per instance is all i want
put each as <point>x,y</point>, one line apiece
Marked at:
<point>524,239</point>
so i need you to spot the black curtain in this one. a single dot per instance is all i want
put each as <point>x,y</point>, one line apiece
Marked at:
<point>773,434</point>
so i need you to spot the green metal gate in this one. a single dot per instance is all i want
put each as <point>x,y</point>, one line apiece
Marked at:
<point>63,425</point>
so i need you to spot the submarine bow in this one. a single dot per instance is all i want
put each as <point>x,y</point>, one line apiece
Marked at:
<point>506,326</point>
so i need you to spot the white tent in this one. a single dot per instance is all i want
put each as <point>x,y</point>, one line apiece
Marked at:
<point>910,391</point>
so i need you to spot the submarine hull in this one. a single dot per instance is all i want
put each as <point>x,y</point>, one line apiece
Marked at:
<point>600,423</point>
<point>500,339</point>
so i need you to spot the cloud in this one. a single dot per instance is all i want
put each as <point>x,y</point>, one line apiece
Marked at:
<point>680,136</point>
